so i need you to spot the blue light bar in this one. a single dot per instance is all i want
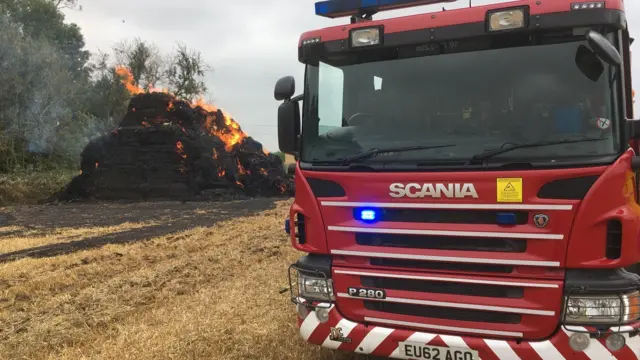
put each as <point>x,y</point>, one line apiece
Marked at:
<point>341,8</point>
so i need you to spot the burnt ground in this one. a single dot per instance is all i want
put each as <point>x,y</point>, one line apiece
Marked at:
<point>152,219</point>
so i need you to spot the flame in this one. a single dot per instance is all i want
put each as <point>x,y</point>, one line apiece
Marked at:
<point>126,77</point>
<point>241,168</point>
<point>225,128</point>
<point>129,82</point>
<point>180,149</point>
<point>97,164</point>
<point>208,107</point>
<point>231,135</point>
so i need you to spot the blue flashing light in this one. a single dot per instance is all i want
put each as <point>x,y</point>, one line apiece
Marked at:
<point>341,8</point>
<point>506,219</point>
<point>287,226</point>
<point>367,215</point>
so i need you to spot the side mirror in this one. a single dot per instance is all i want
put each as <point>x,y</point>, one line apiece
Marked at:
<point>288,126</point>
<point>603,48</point>
<point>589,63</point>
<point>632,129</point>
<point>285,88</point>
<point>632,132</point>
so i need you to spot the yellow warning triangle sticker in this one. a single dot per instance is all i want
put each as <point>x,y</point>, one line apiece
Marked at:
<point>509,187</point>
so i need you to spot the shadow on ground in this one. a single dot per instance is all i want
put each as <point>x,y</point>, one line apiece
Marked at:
<point>165,218</point>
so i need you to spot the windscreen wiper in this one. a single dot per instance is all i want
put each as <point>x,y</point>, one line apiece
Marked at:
<point>375,151</point>
<point>479,158</point>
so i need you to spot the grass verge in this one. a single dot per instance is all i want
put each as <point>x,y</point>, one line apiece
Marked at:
<point>25,187</point>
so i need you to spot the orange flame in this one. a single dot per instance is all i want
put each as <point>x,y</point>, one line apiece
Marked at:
<point>127,80</point>
<point>231,134</point>
<point>241,168</point>
<point>180,149</point>
<point>221,173</point>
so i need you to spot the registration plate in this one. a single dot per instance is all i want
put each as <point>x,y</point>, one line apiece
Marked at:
<point>411,350</point>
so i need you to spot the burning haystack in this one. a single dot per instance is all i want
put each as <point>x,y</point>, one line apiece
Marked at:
<point>168,148</point>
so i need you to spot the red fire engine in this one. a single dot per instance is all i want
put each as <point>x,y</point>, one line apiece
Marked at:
<point>466,182</point>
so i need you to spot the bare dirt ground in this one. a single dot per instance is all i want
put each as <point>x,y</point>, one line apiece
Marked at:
<point>157,280</point>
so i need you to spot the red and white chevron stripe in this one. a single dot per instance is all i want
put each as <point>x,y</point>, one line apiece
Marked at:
<point>383,341</point>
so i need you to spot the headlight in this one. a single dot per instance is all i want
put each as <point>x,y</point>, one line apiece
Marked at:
<point>506,19</point>
<point>603,309</point>
<point>365,37</point>
<point>315,288</point>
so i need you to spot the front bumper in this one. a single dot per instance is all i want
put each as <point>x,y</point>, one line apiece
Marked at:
<point>383,341</point>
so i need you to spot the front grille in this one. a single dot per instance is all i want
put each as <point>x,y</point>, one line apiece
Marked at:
<point>442,242</point>
<point>447,216</point>
<point>429,265</point>
<point>437,312</point>
<point>447,281</point>
<point>440,287</point>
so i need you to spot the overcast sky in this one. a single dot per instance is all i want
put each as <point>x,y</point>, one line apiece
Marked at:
<point>249,43</point>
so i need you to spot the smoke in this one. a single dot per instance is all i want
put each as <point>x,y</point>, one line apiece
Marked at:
<point>35,89</point>
<point>46,107</point>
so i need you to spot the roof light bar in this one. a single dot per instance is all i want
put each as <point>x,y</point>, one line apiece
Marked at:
<point>342,8</point>
<point>587,5</point>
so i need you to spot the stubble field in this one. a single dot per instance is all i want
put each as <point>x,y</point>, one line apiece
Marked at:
<point>161,280</point>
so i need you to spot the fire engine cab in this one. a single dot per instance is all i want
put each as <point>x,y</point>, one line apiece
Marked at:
<point>466,181</point>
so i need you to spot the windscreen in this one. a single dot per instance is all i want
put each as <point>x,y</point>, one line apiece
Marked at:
<point>543,89</point>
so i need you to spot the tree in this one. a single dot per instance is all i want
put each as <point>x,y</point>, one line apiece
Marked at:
<point>38,91</point>
<point>106,98</point>
<point>143,60</point>
<point>41,19</point>
<point>66,4</point>
<point>281,155</point>
<point>185,72</point>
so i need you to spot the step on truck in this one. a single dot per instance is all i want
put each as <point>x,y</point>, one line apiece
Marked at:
<point>466,181</point>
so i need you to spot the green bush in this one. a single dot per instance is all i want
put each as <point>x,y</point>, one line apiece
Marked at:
<point>281,155</point>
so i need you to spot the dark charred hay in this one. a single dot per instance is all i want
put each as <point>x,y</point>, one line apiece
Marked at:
<point>166,148</point>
